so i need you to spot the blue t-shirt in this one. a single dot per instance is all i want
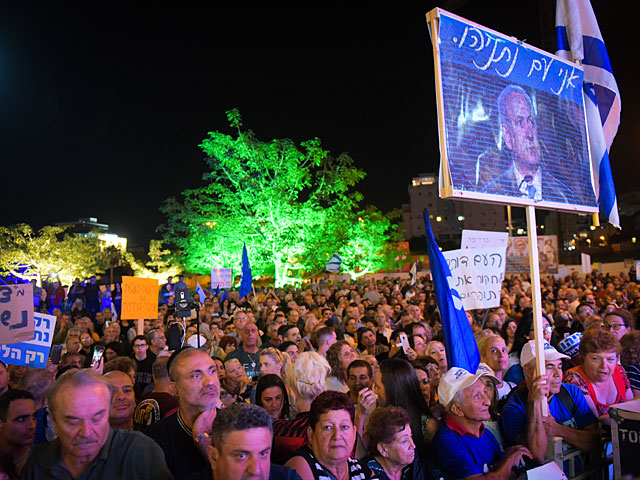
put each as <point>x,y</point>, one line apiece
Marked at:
<point>460,455</point>
<point>515,374</point>
<point>514,413</point>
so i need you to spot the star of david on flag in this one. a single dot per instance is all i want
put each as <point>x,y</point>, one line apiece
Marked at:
<point>579,39</point>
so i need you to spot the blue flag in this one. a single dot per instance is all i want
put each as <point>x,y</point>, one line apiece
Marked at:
<point>200,292</point>
<point>459,342</point>
<point>579,39</point>
<point>246,281</point>
<point>217,290</point>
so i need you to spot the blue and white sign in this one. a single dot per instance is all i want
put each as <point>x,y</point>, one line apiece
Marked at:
<point>511,120</point>
<point>35,352</point>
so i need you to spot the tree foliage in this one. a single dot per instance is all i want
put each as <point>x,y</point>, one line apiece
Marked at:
<point>290,203</point>
<point>27,254</point>
<point>161,263</point>
<point>367,247</point>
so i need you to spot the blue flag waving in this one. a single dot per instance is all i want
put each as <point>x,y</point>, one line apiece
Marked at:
<point>246,281</point>
<point>459,342</point>
<point>200,292</point>
<point>579,39</point>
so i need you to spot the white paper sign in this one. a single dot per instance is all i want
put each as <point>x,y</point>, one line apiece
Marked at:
<point>637,269</point>
<point>477,275</point>
<point>546,472</point>
<point>220,277</point>
<point>482,239</point>
<point>586,262</point>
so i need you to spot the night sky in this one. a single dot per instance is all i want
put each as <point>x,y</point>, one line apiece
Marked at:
<point>101,112</point>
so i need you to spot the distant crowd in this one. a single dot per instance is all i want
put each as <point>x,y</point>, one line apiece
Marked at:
<point>332,380</point>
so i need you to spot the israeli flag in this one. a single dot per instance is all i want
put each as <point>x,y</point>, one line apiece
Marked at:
<point>461,347</point>
<point>334,264</point>
<point>414,273</point>
<point>579,39</point>
<point>200,292</point>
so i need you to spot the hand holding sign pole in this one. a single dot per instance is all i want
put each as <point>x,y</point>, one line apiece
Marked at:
<point>536,300</point>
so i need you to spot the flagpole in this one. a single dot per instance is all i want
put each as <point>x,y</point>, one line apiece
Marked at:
<point>534,265</point>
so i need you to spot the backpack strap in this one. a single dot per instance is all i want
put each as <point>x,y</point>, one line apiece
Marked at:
<point>565,398</point>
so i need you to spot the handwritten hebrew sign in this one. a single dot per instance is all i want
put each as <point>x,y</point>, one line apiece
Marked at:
<point>220,277</point>
<point>16,313</point>
<point>35,352</point>
<point>484,80</point>
<point>482,239</point>
<point>139,298</point>
<point>477,275</point>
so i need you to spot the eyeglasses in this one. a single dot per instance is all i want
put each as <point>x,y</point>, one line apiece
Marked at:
<point>614,326</point>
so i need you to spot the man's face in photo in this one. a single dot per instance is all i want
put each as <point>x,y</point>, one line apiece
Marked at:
<point>521,132</point>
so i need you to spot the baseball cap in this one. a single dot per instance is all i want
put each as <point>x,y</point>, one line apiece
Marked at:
<point>571,344</point>
<point>528,353</point>
<point>456,380</point>
<point>487,370</point>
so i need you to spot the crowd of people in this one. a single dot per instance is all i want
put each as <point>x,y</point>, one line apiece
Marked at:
<point>330,380</point>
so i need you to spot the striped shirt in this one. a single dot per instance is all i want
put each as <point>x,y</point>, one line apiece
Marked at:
<point>289,436</point>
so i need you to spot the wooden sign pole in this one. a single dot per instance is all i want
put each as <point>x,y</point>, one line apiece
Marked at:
<point>536,299</point>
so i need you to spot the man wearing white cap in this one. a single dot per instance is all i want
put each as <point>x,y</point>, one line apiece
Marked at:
<point>462,448</point>
<point>569,415</point>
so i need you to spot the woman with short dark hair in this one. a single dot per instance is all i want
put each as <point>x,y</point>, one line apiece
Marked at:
<point>602,381</point>
<point>391,447</point>
<point>332,436</point>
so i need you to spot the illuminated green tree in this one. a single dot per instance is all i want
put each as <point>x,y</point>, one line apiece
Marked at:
<point>161,263</point>
<point>288,203</point>
<point>28,255</point>
<point>368,242</point>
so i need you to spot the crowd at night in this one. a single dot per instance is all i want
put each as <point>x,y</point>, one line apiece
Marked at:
<point>321,379</point>
<point>328,344</point>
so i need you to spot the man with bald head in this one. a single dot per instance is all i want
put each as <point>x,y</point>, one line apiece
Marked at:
<point>79,403</point>
<point>183,436</point>
<point>527,176</point>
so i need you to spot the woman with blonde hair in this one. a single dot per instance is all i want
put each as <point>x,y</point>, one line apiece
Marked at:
<point>272,361</point>
<point>305,379</point>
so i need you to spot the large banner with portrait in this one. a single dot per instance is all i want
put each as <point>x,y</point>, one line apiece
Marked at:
<point>511,120</point>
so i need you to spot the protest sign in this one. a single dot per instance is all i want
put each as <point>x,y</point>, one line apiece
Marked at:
<point>479,74</point>
<point>16,313</point>
<point>518,254</point>
<point>637,269</point>
<point>220,278</point>
<point>33,353</point>
<point>477,275</point>
<point>139,298</point>
<point>586,262</point>
<point>482,239</point>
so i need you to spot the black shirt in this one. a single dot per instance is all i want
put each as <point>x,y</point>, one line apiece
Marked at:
<point>180,451</point>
